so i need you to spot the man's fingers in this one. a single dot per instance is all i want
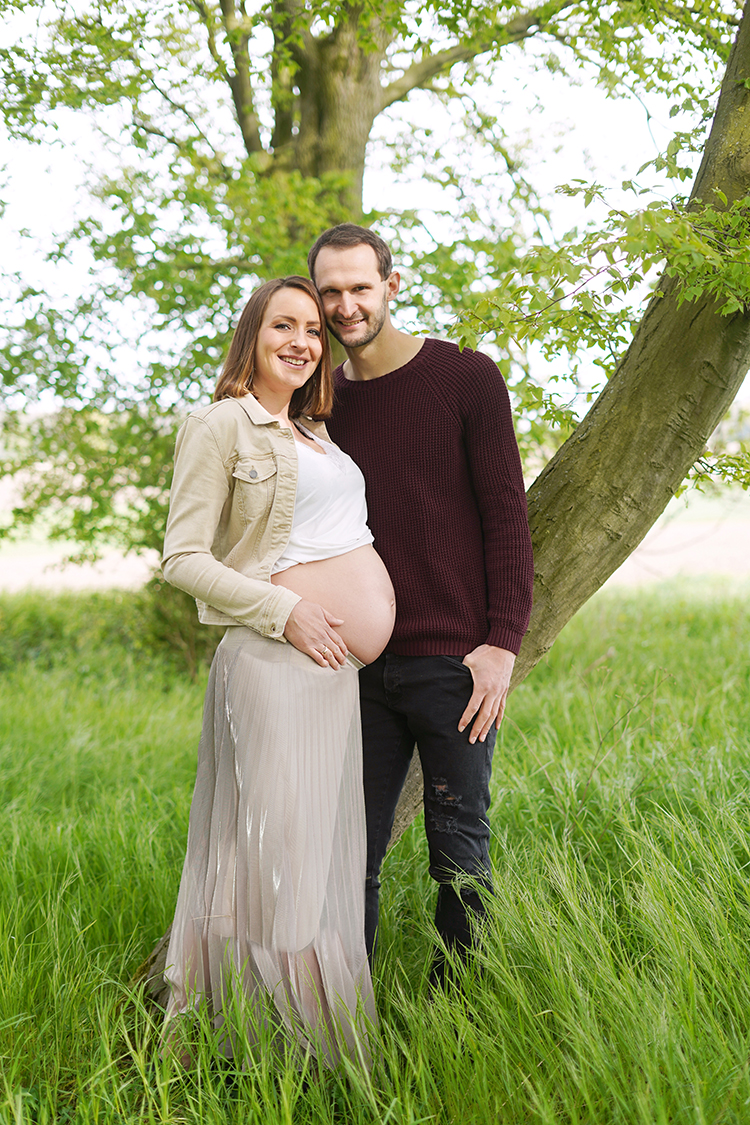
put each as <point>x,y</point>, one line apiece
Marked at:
<point>482,727</point>
<point>471,709</point>
<point>490,669</point>
<point>483,722</point>
<point>490,711</point>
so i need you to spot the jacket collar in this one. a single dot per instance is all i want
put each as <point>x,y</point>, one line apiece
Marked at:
<point>260,416</point>
<point>255,412</point>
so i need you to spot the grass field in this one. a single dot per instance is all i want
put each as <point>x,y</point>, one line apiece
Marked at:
<point>614,983</point>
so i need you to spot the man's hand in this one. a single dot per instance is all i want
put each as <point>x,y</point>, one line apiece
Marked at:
<point>312,630</point>
<point>491,669</point>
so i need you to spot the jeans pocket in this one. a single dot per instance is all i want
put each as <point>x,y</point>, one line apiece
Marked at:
<point>456,662</point>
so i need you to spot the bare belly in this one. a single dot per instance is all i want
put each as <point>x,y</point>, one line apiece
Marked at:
<point>354,586</point>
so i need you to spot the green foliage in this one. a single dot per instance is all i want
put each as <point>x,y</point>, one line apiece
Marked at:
<point>730,468</point>
<point>612,985</point>
<point>565,297</point>
<point>102,475</point>
<point>230,139</point>
<point>155,628</point>
<point>575,301</point>
<point>168,625</point>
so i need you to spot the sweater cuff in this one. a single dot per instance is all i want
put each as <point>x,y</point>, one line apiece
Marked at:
<point>501,636</point>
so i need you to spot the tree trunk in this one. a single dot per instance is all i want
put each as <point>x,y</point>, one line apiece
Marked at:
<point>606,486</point>
<point>340,96</point>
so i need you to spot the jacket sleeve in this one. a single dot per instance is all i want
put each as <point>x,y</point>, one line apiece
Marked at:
<point>201,486</point>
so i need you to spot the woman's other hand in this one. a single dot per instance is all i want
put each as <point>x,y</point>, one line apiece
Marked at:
<point>313,631</point>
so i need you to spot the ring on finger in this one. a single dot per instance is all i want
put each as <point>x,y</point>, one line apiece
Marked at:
<point>325,650</point>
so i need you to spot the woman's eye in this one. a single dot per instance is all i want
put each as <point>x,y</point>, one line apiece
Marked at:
<point>282,324</point>
<point>314,331</point>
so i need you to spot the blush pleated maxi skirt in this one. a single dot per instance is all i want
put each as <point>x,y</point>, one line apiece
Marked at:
<point>271,902</point>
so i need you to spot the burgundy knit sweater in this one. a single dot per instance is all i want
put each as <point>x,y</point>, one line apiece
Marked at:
<point>445,498</point>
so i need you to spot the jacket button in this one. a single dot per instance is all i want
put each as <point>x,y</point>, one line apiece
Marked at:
<point>253,473</point>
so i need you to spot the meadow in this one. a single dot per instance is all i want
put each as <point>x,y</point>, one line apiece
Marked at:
<point>613,985</point>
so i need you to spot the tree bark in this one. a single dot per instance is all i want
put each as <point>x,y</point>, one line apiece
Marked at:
<point>341,92</point>
<point>608,484</point>
<point>340,97</point>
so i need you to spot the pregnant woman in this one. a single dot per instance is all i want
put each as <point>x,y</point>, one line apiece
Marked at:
<point>267,530</point>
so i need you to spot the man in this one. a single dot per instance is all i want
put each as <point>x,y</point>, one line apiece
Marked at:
<point>430,427</point>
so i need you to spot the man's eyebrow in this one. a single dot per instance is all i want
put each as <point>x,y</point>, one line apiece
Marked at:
<point>353,285</point>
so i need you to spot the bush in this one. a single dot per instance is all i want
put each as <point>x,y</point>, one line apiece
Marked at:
<point>157,621</point>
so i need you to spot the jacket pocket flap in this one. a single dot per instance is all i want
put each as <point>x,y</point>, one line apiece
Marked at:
<point>254,471</point>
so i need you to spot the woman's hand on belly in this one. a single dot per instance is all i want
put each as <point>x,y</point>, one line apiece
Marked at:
<point>356,588</point>
<point>312,630</point>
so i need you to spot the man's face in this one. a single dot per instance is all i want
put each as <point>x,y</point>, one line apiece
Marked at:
<point>355,296</point>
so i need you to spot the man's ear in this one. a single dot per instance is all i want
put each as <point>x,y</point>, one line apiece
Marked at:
<point>392,285</point>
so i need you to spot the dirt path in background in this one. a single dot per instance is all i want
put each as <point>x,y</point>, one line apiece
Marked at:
<point>39,568</point>
<point>688,548</point>
<point>678,545</point>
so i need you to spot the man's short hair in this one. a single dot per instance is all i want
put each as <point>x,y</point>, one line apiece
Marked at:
<point>346,235</point>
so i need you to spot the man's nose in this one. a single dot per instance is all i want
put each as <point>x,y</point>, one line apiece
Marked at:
<point>347,305</point>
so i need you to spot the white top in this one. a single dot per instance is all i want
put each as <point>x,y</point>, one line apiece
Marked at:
<point>330,510</point>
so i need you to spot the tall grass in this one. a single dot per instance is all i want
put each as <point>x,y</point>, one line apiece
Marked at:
<point>613,984</point>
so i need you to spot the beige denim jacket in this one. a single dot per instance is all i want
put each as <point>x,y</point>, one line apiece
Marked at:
<point>230,514</point>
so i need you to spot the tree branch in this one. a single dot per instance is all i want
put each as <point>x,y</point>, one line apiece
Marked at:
<point>285,62</point>
<point>240,83</point>
<point>179,144</point>
<point>205,16</point>
<point>183,109</point>
<point>429,67</point>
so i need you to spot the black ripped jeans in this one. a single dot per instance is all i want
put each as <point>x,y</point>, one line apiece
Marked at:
<point>419,699</point>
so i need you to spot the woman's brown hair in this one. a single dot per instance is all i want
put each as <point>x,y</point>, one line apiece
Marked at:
<point>315,399</point>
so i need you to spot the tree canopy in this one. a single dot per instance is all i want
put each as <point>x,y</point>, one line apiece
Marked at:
<point>234,133</point>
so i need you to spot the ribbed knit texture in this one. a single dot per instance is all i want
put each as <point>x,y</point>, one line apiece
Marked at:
<point>445,498</point>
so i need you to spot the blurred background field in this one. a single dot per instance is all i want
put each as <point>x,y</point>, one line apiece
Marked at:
<point>614,979</point>
<point>699,534</point>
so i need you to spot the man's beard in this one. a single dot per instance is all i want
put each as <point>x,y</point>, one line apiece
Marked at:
<point>374,324</point>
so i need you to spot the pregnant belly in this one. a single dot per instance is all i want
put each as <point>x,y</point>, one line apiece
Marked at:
<point>355,587</point>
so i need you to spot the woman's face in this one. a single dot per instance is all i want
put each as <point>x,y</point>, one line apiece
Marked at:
<point>289,344</point>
